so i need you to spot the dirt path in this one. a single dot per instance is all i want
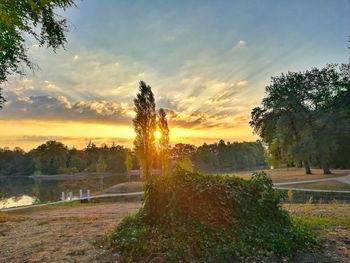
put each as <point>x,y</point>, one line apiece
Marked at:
<point>343,179</point>
<point>61,234</point>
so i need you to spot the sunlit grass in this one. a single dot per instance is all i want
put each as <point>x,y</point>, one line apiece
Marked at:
<point>321,216</point>
<point>329,185</point>
<point>293,174</point>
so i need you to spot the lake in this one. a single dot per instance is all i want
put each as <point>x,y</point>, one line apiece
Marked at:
<point>25,190</point>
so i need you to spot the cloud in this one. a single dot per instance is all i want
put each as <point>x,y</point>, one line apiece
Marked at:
<point>60,108</point>
<point>239,45</point>
<point>242,83</point>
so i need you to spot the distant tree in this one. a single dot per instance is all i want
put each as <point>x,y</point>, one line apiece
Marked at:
<point>101,165</point>
<point>128,164</point>
<point>181,149</point>
<point>115,159</point>
<point>164,147</point>
<point>76,162</point>
<point>101,168</point>
<point>144,126</point>
<point>15,162</point>
<point>50,157</point>
<point>185,163</point>
<point>22,18</point>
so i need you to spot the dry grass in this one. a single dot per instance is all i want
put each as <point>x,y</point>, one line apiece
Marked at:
<point>294,174</point>
<point>321,210</point>
<point>124,188</point>
<point>76,234</point>
<point>5,217</point>
<point>329,185</point>
<point>61,234</point>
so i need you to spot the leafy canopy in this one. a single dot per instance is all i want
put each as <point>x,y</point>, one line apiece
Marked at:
<point>21,19</point>
<point>304,115</point>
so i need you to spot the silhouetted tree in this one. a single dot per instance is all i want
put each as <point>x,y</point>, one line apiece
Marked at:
<point>164,147</point>
<point>37,19</point>
<point>144,126</point>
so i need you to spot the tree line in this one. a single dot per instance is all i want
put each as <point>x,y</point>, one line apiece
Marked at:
<point>54,157</point>
<point>221,156</point>
<point>305,118</point>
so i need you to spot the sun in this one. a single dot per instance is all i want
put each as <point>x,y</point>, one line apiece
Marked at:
<point>157,134</point>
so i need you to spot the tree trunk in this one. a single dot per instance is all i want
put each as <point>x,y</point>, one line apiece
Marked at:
<point>307,167</point>
<point>326,170</point>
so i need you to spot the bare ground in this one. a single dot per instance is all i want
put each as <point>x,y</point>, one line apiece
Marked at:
<point>61,234</point>
<point>69,234</point>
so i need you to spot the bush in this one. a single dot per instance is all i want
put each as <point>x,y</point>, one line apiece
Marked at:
<point>188,216</point>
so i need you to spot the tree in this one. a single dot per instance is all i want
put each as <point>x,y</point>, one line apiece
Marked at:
<point>2,99</point>
<point>283,115</point>
<point>184,162</point>
<point>101,165</point>
<point>299,120</point>
<point>164,147</point>
<point>22,18</point>
<point>101,168</point>
<point>15,162</point>
<point>128,164</point>
<point>76,163</point>
<point>50,157</point>
<point>145,126</point>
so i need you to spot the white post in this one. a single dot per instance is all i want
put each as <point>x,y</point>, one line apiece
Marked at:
<point>80,194</point>
<point>70,196</point>
<point>62,196</point>
<point>88,195</point>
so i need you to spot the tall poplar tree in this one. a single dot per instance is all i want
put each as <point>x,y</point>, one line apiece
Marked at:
<point>145,126</point>
<point>164,147</point>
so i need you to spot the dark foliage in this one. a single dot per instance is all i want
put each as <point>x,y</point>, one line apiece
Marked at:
<point>22,18</point>
<point>222,157</point>
<point>55,158</point>
<point>34,18</point>
<point>304,118</point>
<point>15,162</point>
<point>192,217</point>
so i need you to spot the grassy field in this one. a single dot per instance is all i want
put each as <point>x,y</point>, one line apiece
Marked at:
<point>76,233</point>
<point>277,175</point>
<point>329,185</point>
<point>293,174</point>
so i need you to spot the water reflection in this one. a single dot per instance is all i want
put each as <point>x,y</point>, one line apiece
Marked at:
<point>44,190</point>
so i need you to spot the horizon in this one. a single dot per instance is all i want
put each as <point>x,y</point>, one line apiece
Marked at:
<point>128,145</point>
<point>208,66</point>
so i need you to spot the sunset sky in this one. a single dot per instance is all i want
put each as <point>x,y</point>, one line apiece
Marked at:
<point>207,62</point>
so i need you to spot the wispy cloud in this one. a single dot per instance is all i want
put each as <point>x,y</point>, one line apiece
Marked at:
<point>239,45</point>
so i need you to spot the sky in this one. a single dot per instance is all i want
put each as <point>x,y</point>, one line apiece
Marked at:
<point>208,63</point>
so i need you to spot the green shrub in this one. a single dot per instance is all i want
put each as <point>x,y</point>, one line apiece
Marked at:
<point>188,216</point>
